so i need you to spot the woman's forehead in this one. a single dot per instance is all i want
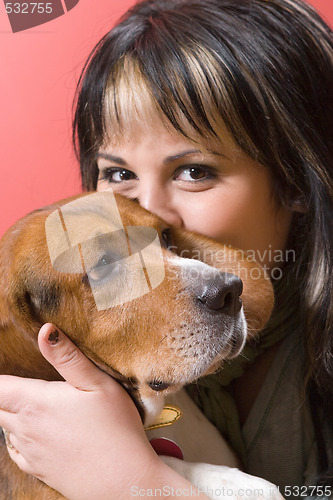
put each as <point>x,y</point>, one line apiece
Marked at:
<point>156,131</point>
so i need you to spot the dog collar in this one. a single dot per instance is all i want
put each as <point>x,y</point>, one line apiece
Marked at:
<point>167,447</point>
<point>162,445</point>
<point>168,416</point>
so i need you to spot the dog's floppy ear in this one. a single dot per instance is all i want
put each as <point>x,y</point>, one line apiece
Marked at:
<point>21,290</point>
<point>19,353</point>
<point>4,311</point>
<point>5,279</point>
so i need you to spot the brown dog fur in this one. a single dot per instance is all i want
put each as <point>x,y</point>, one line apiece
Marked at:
<point>33,293</point>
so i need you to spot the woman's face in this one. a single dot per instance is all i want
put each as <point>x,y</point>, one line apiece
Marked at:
<point>213,189</point>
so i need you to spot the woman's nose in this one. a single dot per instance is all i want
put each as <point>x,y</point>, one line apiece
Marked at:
<point>161,203</point>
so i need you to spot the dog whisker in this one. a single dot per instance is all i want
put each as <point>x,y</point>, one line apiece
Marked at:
<point>162,340</point>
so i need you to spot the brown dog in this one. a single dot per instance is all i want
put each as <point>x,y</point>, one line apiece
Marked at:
<point>153,316</point>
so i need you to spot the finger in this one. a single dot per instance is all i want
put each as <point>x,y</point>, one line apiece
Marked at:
<point>68,360</point>
<point>13,445</point>
<point>14,390</point>
<point>8,436</point>
<point>9,393</point>
<point>7,420</point>
<point>20,460</point>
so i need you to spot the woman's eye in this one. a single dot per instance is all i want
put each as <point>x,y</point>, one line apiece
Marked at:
<point>116,175</point>
<point>195,173</point>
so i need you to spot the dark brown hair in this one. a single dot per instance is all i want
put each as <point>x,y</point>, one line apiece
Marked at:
<point>264,68</point>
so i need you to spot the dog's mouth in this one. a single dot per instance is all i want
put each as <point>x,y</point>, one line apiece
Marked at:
<point>211,364</point>
<point>129,383</point>
<point>236,345</point>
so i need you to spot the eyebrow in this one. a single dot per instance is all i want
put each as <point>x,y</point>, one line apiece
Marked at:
<point>168,159</point>
<point>172,158</point>
<point>115,159</point>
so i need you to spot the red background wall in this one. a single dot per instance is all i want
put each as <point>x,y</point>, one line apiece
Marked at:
<point>39,70</point>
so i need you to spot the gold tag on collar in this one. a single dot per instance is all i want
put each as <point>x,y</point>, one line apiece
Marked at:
<point>168,416</point>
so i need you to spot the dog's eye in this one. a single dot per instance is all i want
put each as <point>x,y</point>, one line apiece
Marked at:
<point>102,269</point>
<point>166,238</point>
<point>157,385</point>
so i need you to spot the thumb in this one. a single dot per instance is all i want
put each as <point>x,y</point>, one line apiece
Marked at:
<point>68,360</point>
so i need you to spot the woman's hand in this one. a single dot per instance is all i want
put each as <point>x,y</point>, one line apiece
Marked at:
<point>83,437</point>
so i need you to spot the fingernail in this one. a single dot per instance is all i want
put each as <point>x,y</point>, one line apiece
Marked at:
<point>53,337</point>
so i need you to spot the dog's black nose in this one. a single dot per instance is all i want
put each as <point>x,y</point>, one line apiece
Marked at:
<point>221,293</point>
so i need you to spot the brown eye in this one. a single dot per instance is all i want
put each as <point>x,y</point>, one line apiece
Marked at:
<point>102,269</point>
<point>158,385</point>
<point>125,175</point>
<point>195,173</point>
<point>117,175</point>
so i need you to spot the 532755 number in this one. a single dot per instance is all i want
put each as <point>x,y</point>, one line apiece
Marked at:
<point>28,8</point>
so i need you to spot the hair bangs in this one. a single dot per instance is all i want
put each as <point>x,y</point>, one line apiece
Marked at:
<point>128,102</point>
<point>183,98</point>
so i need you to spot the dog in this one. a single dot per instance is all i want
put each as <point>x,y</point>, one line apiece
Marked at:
<point>153,306</point>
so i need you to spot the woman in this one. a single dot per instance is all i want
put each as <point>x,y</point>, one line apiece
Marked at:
<point>217,116</point>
